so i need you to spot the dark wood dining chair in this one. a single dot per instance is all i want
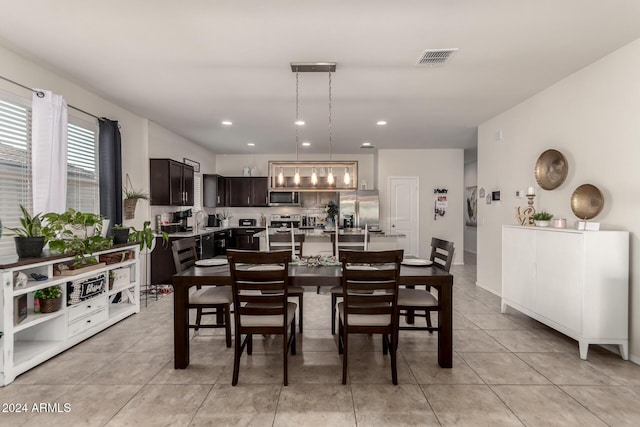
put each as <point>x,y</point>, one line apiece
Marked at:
<point>261,313</point>
<point>421,302</point>
<point>369,305</point>
<point>282,241</point>
<point>345,242</point>
<point>217,298</point>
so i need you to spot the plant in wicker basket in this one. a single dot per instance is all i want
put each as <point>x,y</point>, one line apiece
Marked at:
<point>49,299</point>
<point>131,197</point>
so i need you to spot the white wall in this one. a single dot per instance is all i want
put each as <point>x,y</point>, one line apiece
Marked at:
<point>435,169</point>
<point>136,131</point>
<point>593,118</point>
<point>470,233</point>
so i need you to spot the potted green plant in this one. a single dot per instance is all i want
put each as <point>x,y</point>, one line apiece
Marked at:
<point>332,211</point>
<point>131,197</point>
<point>48,298</point>
<point>542,219</point>
<point>31,236</point>
<point>78,233</point>
<point>74,223</point>
<point>120,234</point>
<point>146,237</point>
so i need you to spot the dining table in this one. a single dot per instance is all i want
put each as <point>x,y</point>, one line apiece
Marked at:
<point>306,275</point>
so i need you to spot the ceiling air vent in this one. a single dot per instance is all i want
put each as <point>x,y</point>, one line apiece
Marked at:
<point>433,57</point>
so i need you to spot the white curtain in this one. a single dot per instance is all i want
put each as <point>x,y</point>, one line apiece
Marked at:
<point>49,152</point>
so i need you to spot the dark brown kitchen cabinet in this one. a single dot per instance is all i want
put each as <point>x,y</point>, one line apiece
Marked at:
<point>171,183</point>
<point>247,191</point>
<point>214,191</point>
<point>243,238</point>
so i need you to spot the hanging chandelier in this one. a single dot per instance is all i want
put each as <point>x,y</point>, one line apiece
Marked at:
<point>313,175</point>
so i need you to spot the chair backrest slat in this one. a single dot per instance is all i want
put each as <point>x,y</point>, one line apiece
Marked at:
<point>370,278</point>
<point>252,272</point>
<point>281,241</point>
<point>442,253</point>
<point>184,252</point>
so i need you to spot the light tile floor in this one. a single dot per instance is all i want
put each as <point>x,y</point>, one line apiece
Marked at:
<point>508,370</point>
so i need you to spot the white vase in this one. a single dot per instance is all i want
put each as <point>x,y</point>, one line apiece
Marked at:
<point>542,223</point>
<point>225,222</point>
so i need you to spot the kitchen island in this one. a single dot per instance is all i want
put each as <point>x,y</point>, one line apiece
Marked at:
<point>318,241</point>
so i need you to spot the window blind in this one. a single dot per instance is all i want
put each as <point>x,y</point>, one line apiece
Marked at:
<point>15,166</point>
<point>82,167</point>
<point>197,192</point>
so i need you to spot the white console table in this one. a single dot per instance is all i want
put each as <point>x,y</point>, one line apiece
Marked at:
<point>31,340</point>
<point>576,282</point>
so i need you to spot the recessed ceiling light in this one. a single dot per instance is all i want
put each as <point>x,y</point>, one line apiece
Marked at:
<point>367,145</point>
<point>227,122</point>
<point>381,122</point>
<point>306,144</point>
<point>251,144</point>
<point>299,122</point>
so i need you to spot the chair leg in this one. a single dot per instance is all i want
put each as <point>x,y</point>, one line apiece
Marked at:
<point>227,323</point>
<point>300,308</point>
<point>428,316</point>
<point>236,359</point>
<point>333,313</point>
<point>293,337</point>
<point>318,290</point>
<point>198,318</point>
<point>249,344</point>
<point>345,353</point>
<point>392,350</point>
<point>285,356</point>
<point>384,344</point>
<point>340,349</point>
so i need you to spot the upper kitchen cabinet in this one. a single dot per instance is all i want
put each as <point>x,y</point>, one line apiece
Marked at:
<point>247,191</point>
<point>320,199</point>
<point>171,183</point>
<point>214,191</point>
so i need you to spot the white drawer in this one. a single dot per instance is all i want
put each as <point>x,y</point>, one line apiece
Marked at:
<point>86,322</point>
<point>86,307</point>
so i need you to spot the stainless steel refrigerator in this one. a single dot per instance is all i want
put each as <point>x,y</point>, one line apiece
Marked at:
<point>364,205</point>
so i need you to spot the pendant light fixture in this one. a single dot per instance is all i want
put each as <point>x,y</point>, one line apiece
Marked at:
<point>313,175</point>
<point>296,176</point>
<point>330,179</point>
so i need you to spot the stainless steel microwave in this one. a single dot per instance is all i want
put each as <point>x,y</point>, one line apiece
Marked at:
<point>284,198</point>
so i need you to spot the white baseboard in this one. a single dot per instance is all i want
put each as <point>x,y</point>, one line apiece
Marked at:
<point>488,290</point>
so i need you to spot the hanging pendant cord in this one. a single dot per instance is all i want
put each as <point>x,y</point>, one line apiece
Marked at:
<point>330,142</point>
<point>296,124</point>
<point>40,94</point>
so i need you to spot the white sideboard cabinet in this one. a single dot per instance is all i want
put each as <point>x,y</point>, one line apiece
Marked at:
<point>576,282</point>
<point>89,304</point>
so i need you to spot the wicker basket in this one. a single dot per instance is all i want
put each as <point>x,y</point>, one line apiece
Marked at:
<point>130,208</point>
<point>50,305</point>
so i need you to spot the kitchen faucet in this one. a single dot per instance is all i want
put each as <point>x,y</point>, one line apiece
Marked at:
<point>197,218</point>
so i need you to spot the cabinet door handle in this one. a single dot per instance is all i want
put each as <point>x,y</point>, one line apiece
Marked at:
<point>218,199</point>
<point>248,202</point>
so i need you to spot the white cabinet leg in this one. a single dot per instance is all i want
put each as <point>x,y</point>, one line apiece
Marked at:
<point>584,348</point>
<point>624,351</point>
<point>503,307</point>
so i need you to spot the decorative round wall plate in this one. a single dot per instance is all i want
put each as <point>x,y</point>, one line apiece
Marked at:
<point>551,169</point>
<point>587,201</point>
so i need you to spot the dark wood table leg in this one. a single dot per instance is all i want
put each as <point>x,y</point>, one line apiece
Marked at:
<point>445,326</point>
<point>180,327</point>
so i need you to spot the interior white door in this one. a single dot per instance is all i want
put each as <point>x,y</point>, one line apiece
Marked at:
<point>404,212</point>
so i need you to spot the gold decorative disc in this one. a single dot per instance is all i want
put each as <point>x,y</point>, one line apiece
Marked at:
<point>587,201</point>
<point>551,169</point>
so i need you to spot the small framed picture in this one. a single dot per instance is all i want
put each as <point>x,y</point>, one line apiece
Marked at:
<point>193,163</point>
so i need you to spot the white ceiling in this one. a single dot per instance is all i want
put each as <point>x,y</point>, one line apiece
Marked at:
<point>188,65</point>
